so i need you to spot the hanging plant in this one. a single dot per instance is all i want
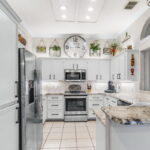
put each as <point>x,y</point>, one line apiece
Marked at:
<point>95,48</point>
<point>114,46</point>
<point>55,49</point>
<point>41,48</point>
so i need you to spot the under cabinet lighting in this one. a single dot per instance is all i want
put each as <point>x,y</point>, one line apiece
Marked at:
<point>87,17</point>
<point>64,16</point>
<point>63,7</point>
<point>90,9</point>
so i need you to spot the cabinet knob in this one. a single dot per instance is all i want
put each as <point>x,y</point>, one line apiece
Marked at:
<point>96,77</point>
<point>50,77</point>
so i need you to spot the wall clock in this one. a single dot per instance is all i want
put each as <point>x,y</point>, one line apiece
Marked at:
<point>75,46</point>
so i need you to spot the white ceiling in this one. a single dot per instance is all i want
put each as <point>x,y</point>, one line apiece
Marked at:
<point>43,18</point>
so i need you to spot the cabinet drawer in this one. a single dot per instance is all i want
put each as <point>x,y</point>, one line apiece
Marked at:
<point>55,114</point>
<point>96,97</point>
<point>55,104</point>
<point>95,104</point>
<point>55,97</point>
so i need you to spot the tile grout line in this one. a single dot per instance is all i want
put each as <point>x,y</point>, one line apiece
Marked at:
<point>61,136</point>
<point>76,137</point>
<point>48,135</point>
<point>90,136</point>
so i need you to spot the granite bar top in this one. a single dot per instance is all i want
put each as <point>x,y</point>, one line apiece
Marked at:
<point>101,115</point>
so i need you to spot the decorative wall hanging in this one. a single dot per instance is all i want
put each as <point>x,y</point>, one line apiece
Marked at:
<point>55,49</point>
<point>22,40</point>
<point>106,49</point>
<point>126,38</point>
<point>41,48</point>
<point>115,46</point>
<point>95,49</point>
<point>75,46</point>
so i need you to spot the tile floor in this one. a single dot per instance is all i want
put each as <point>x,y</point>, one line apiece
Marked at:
<point>69,136</point>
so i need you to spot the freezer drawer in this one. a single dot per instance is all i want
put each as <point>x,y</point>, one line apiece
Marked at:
<point>55,105</point>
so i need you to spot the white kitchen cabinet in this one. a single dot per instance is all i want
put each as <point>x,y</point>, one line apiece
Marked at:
<point>99,70</point>
<point>94,101</point>
<point>9,128</point>
<point>52,70</point>
<point>8,58</point>
<point>121,66</point>
<point>55,104</point>
<point>44,101</point>
<point>75,64</point>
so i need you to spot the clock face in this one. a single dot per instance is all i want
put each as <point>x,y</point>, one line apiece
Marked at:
<point>75,46</point>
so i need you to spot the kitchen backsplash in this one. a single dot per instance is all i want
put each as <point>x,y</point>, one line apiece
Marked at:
<point>61,87</point>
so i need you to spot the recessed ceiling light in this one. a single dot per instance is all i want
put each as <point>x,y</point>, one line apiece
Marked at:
<point>63,7</point>
<point>64,16</point>
<point>90,9</point>
<point>87,17</point>
<point>93,0</point>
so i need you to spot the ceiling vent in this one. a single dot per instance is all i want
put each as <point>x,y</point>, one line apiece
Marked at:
<point>131,4</point>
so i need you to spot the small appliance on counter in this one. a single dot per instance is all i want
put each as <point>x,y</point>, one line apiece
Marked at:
<point>89,87</point>
<point>111,87</point>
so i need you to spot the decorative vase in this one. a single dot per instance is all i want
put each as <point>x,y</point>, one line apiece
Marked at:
<point>113,51</point>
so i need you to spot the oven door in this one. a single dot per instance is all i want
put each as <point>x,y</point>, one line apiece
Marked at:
<point>72,76</point>
<point>75,105</point>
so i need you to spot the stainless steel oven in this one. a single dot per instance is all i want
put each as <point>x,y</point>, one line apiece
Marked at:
<point>76,108</point>
<point>75,75</point>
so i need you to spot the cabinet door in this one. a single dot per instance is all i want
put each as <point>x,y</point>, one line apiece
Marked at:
<point>8,58</point>
<point>9,129</point>
<point>121,63</point>
<point>44,99</point>
<point>52,70</point>
<point>93,70</point>
<point>104,68</point>
<point>70,64</point>
<point>81,64</point>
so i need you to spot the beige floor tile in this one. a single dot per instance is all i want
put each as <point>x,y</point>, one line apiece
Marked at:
<point>94,142</point>
<point>56,130</point>
<point>55,136</point>
<point>91,123</point>
<point>81,129</point>
<point>66,130</point>
<point>84,143</point>
<point>80,124</point>
<point>85,148</point>
<point>68,148</point>
<point>93,135</point>
<point>58,124</point>
<point>69,125</point>
<point>68,143</point>
<point>69,135</point>
<point>52,144</point>
<point>83,135</point>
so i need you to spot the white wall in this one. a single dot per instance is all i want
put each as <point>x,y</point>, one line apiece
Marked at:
<point>135,31</point>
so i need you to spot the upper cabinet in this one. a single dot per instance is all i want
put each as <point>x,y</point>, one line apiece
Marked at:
<point>8,58</point>
<point>75,64</point>
<point>99,70</point>
<point>52,70</point>
<point>125,66</point>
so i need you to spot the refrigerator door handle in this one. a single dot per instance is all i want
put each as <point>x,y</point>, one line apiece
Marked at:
<point>17,112</point>
<point>17,89</point>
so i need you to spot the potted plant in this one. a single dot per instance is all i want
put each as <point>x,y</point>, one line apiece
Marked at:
<point>56,48</point>
<point>114,46</point>
<point>95,48</point>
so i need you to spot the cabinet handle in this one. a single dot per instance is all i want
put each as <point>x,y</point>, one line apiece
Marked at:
<point>96,77</point>
<point>55,114</point>
<point>95,104</point>
<point>17,120</point>
<point>120,76</point>
<point>17,89</point>
<point>53,76</point>
<point>77,66</point>
<point>113,76</point>
<point>54,105</point>
<point>50,76</point>
<point>73,66</point>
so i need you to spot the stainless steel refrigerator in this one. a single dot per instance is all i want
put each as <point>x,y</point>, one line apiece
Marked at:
<point>30,110</point>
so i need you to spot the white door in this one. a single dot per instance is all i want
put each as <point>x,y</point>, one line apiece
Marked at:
<point>104,70</point>
<point>8,59</point>
<point>9,128</point>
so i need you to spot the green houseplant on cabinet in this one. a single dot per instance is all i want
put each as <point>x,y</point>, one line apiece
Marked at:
<point>114,47</point>
<point>95,49</point>
<point>55,49</point>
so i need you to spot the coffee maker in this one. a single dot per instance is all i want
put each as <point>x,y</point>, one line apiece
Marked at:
<point>111,87</point>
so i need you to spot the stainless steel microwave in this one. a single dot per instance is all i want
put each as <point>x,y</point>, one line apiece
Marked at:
<point>75,75</point>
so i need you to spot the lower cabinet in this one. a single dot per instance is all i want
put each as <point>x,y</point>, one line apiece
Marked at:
<point>55,107</point>
<point>44,101</point>
<point>9,128</point>
<point>97,101</point>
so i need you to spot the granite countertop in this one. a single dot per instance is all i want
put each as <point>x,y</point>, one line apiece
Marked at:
<point>101,115</point>
<point>129,114</point>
